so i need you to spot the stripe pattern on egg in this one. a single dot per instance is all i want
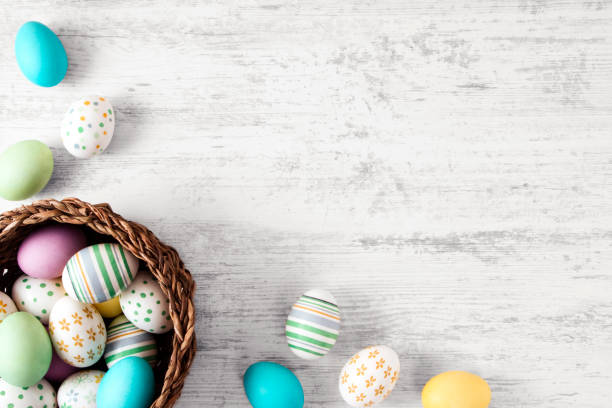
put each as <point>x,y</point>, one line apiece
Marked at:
<point>99,273</point>
<point>126,340</point>
<point>313,324</point>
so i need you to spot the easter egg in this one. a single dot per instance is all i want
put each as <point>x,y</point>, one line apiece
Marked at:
<point>369,376</point>
<point>80,389</point>
<point>88,126</point>
<point>40,54</point>
<point>271,385</point>
<point>77,332</point>
<point>109,309</point>
<point>25,169</point>
<point>39,395</point>
<point>37,296</point>
<point>313,324</point>
<point>25,350</point>
<point>125,340</point>
<point>145,305</point>
<point>59,369</point>
<point>6,306</point>
<point>44,253</point>
<point>456,389</point>
<point>127,384</point>
<point>99,273</point>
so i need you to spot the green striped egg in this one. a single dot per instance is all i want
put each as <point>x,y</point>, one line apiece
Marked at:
<point>99,273</point>
<point>313,324</point>
<point>126,340</point>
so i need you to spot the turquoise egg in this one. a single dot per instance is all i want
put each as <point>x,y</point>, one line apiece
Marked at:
<point>128,384</point>
<point>25,350</point>
<point>270,385</point>
<point>40,54</point>
<point>25,169</point>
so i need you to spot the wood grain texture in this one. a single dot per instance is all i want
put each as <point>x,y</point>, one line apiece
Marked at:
<point>443,168</point>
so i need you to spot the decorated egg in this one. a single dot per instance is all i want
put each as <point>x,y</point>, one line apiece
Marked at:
<point>44,253</point>
<point>25,350</point>
<point>369,376</point>
<point>77,332</point>
<point>271,385</point>
<point>145,305</point>
<point>457,389</point>
<point>313,324</point>
<point>88,126</point>
<point>125,340</point>
<point>127,384</point>
<point>99,273</point>
<point>6,306</point>
<point>40,54</point>
<point>39,395</point>
<point>37,296</point>
<point>80,389</point>
<point>25,169</point>
<point>109,309</point>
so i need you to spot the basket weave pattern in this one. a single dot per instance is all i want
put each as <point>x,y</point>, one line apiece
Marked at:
<point>162,261</point>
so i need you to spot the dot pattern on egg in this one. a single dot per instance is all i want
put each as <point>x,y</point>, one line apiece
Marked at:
<point>41,394</point>
<point>145,305</point>
<point>37,296</point>
<point>79,126</point>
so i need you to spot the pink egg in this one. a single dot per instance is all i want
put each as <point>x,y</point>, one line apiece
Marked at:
<point>44,253</point>
<point>59,371</point>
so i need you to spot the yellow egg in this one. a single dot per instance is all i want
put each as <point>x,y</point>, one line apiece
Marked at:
<point>110,308</point>
<point>456,389</point>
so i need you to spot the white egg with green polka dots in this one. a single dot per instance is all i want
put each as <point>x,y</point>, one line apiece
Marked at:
<point>145,305</point>
<point>37,296</point>
<point>40,395</point>
<point>88,126</point>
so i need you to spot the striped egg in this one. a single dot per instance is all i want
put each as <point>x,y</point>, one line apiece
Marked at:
<point>99,273</point>
<point>126,340</point>
<point>313,324</point>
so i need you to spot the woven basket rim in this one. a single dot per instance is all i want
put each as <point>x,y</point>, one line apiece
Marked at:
<point>162,260</point>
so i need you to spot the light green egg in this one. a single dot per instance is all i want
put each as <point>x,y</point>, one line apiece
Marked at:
<point>25,350</point>
<point>25,169</point>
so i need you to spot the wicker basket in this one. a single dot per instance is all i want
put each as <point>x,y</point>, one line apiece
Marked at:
<point>177,348</point>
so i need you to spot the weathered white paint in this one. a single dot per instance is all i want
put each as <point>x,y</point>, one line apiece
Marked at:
<point>443,167</point>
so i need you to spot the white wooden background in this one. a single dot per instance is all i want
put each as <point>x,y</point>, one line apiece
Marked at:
<point>443,167</point>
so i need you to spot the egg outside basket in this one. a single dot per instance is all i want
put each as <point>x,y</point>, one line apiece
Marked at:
<point>177,348</point>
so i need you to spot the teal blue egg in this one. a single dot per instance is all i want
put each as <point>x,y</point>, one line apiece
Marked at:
<point>270,385</point>
<point>128,384</point>
<point>40,54</point>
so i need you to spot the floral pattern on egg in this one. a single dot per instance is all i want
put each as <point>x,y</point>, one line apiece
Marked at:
<point>145,305</point>
<point>39,395</point>
<point>37,296</point>
<point>88,126</point>
<point>6,306</point>
<point>80,389</point>
<point>77,331</point>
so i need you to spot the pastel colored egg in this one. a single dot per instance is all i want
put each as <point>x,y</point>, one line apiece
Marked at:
<point>25,350</point>
<point>25,169</point>
<point>6,306</point>
<point>99,273</point>
<point>127,384</point>
<point>125,340</point>
<point>313,324</point>
<point>88,126</point>
<point>39,395</point>
<point>59,369</point>
<point>37,296</point>
<point>77,332</point>
<point>44,253</point>
<point>109,309</point>
<point>456,389</point>
<point>271,385</point>
<point>80,389</point>
<point>369,376</point>
<point>40,54</point>
<point>145,305</point>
